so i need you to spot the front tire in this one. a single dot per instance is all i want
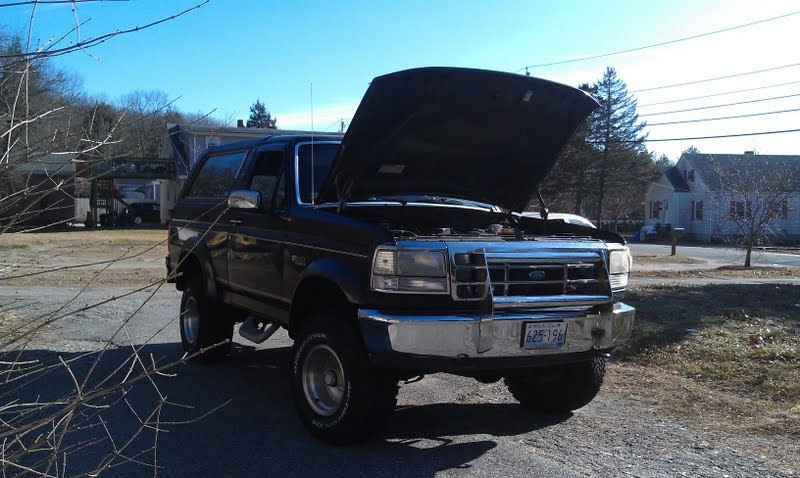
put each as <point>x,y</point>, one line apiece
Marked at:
<point>203,326</point>
<point>558,389</point>
<point>339,397</point>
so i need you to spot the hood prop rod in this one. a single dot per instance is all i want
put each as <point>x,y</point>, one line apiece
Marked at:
<point>544,212</point>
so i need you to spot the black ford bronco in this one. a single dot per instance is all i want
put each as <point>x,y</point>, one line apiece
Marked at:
<point>399,249</point>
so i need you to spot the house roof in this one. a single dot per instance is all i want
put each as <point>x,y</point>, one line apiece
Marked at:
<point>49,164</point>
<point>676,179</point>
<point>768,166</point>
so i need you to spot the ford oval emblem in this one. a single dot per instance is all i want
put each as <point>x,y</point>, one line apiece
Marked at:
<point>536,275</point>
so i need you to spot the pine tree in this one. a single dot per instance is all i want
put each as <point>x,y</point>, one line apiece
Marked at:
<point>260,117</point>
<point>616,132</point>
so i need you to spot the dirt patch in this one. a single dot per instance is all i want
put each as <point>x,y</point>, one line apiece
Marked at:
<point>71,259</point>
<point>652,259</point>
<point>78,277</point>
<point>740,339</point>
<point>722,272</point>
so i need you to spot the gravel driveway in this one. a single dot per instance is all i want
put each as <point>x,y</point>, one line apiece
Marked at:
<point>444,426</point>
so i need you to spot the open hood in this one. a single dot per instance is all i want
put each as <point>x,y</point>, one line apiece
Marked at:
<point>472,134</point>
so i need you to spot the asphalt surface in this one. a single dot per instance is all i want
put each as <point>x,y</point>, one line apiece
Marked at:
<point>726,255</point>
<point>445,426</point>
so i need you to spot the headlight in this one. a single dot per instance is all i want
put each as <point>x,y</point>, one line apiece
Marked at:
<point>409,271</point>
<point>619,262</point>
<point>619,266</point>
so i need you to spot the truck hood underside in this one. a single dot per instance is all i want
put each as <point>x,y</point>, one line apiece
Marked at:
<point>473,134</point>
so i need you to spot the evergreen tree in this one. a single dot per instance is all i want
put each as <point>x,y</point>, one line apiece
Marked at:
<point>260,117</point>
<point>616,132</point>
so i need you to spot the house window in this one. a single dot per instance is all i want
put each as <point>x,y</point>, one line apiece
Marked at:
<point>741,210</point>
<point>691,215</point>
<point>698,211</point>
<point>655,209</point>
<point>779,210</point>
<point>691,175</point>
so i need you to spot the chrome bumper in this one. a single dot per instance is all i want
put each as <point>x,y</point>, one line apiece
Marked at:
<point>497,336</point>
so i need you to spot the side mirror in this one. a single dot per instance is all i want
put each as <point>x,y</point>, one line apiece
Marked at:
<point>244,199</point>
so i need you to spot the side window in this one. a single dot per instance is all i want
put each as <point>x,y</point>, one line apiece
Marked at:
<point>216,175</point>
<point>268,179</point>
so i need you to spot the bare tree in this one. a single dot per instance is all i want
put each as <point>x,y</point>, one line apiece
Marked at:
<point>754,196</point>
<point>51,135</point>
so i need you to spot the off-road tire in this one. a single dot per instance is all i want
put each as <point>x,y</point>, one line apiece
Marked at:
<point>213,329</point>
<point>369,395</point>
<point>558,389</point>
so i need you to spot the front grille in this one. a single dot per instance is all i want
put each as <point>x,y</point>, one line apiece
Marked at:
<point>541,278</point>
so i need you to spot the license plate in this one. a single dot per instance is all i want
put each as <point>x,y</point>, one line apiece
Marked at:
<point>544,335</point>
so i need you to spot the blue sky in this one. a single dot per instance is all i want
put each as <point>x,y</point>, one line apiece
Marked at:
<point>228,53</point>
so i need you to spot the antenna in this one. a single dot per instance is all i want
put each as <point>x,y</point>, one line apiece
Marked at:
<point>311,99</point>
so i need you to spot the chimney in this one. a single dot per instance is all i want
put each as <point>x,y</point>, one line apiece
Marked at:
<point>749,153</point>
<point>240,123</point>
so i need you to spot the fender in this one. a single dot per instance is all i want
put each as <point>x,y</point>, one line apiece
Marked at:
<point>197,247</point>
<point>337,272</point>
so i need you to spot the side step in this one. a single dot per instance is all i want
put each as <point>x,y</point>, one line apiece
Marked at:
<point>256,330</point>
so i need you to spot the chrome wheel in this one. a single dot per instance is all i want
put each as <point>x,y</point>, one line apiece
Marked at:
<point>323,380</point>
<point>191,320</point>
<point>137,220</point>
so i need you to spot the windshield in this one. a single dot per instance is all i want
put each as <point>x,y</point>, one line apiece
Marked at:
<point>323,155</point>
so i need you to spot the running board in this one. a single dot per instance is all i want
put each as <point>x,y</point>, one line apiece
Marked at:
<point>256,330</point>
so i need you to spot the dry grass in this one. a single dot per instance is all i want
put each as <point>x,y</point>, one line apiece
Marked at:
<point>703,405</point>
<point>737,272</point>
<point>741,339</point>
<point>113,237</point>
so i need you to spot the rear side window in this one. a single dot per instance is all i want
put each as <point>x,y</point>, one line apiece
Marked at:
<point>216,175</point>
<point>317,158</point>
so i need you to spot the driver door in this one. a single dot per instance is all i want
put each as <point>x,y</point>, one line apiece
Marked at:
<point>256,241</point>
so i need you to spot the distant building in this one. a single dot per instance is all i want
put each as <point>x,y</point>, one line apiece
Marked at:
<point>692,196</point>
<point>39,191</point>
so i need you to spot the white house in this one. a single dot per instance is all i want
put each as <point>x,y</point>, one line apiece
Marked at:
<point>697,195</point>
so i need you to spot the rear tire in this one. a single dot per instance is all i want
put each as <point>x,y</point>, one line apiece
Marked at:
<point>558,389</point>
<point>203,325</point>
<point>339,397</point>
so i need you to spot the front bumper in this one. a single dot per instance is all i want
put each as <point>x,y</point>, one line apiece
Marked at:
<point>493,338</point>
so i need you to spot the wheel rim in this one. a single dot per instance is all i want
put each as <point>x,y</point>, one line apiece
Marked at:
<point>137,220</point>
<point>323,380</point>
<point>191,320</point>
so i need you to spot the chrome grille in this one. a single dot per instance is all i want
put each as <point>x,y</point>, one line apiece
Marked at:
<point>537,278</point>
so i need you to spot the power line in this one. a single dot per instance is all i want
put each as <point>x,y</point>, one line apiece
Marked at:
<point>720,106</point>
<point>726,117</point>
<point>718,78</point>
<point>653,45</point>
<point>719,94</point>
<point>759,133</point>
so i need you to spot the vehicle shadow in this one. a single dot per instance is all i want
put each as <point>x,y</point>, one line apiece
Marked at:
<point>236,419</point>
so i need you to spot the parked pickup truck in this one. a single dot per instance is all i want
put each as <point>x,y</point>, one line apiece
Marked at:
<point>399,249</point>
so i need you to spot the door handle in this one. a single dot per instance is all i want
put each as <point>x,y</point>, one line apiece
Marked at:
<point>236,222</point>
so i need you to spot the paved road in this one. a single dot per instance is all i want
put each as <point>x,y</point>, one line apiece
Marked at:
<point>726,255</point>
<point>445,426</point>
